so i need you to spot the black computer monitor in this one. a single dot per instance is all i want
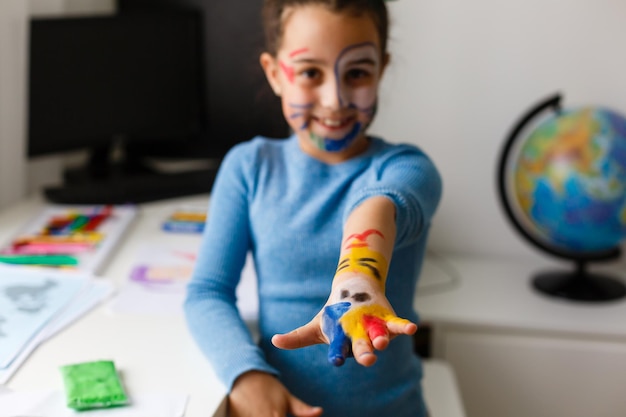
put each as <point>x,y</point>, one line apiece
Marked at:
<point>95,79</point>
<point>240,103</point>
<point>99,83</point>
<point>150,83</point>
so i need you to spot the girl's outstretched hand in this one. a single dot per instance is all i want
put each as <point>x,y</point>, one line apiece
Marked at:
<point>356,320</point>
<point>258,394</point>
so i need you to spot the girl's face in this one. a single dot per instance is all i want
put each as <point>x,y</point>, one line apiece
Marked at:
<point>327,71</point>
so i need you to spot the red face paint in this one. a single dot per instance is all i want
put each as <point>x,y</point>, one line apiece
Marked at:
<point>297,51</point>
<point>289,71</point>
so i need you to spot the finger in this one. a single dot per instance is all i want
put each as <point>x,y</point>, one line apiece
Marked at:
<point>307,335</point>
<point>380,342</point>
<point>401,326</point>
<point>363,352</point>
<point>299,408</point>
<point>377,331</point>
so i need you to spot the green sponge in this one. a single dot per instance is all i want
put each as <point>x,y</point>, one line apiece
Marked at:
<point>93,385</point>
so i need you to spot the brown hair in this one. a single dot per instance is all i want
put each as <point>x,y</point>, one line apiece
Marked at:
<point>273,17</point>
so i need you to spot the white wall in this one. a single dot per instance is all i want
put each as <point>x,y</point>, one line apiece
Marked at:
<point>12,100</point>
<point>69,7</point>
<point>463,72</point>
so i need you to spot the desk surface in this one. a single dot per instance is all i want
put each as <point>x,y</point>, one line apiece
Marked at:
<point>154,354</point>
<point>492,292</point>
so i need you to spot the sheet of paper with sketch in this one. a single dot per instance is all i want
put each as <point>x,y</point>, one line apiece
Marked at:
<point>29,299</point>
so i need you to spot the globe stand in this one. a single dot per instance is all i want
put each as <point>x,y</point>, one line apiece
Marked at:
<point>579,285</point>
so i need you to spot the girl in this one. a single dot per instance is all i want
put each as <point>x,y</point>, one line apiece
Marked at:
<point>328,214</point>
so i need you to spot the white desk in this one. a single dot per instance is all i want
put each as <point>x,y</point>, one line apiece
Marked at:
<point>156,354</point>
<point>517,353</point>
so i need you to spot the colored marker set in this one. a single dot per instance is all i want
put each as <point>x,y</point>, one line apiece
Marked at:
<point>60,241</point>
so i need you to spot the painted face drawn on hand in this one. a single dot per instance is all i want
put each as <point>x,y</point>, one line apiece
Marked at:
<point>334,104</point>
<point>357,308</point>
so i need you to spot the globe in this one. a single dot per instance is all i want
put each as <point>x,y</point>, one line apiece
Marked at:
<point>570,180</point>
<point>564,189</point>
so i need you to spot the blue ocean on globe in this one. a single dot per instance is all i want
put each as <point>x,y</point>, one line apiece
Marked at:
<point>569,180</point>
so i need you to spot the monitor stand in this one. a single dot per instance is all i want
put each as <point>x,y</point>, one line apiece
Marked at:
<point>127,181</point>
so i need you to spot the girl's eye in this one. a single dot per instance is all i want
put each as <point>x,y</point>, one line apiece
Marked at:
<point>310,73</point>
<point>357,74</point>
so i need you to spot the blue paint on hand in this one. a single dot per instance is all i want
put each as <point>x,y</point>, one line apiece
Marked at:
<point>340,346</point>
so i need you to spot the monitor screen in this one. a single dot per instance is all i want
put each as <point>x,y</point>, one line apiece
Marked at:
<point>239,101</point>
<point>94,79</point>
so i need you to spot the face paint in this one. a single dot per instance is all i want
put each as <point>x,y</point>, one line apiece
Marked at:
<point>297,52</point>
<point>361,259</point>
<point>333,61</point>
<point>336,145</point>
<point>301,111</point>
<point>357,58</point>
<point>288,71</point>
<point>360,57</point>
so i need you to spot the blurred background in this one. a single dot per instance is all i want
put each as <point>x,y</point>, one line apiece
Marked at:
<point>461,75</point>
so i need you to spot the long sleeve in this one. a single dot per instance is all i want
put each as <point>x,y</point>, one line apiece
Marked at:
<point>210,307</point>
<point>410,179</point>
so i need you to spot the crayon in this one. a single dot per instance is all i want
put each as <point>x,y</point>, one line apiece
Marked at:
<point>79,237</point>
<point>51,248</point>
<point>188,216</point>
<point>54,260</point>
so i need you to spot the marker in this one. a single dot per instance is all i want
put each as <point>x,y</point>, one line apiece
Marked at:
<point>54,260</point>
<point>184,216</point>
<point>183,227</point>
<point>80,237</point>
<point>51,248</point>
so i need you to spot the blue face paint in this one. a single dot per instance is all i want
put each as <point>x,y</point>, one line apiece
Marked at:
<point>336,145</point>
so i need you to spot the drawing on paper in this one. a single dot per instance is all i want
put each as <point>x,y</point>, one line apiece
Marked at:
<point>28,298</point>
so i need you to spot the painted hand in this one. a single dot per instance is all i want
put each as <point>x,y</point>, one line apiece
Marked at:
<point>356,320</point>
<point>358,330</point>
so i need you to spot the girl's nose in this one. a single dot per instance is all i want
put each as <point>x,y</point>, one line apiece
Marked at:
<point>331,95</point>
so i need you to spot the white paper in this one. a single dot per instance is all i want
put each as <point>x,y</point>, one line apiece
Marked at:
<point>134,298</point>
<point>161,296</point>
<point>28,301</point>
<point>51,403</point>
<point>93,293</point>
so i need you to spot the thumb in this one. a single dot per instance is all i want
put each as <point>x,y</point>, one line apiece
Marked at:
<point>298,408</point>
<point>307,335</point>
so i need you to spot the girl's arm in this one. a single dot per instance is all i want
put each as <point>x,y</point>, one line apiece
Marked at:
<point>357,317</point>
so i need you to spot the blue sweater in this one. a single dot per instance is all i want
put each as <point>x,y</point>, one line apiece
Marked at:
<point>288,209</point>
